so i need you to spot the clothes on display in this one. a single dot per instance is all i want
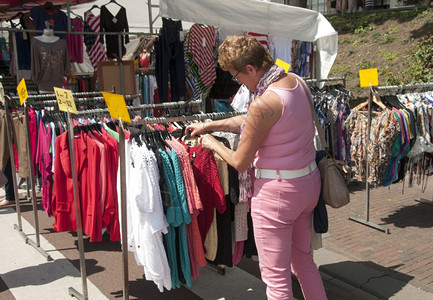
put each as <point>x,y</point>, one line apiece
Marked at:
<point>48,14</point>
<point>418,130</point>
<point>23,47</point>
<point>114,22</point>
<point>301,58</point>
<point>168,225</point>
<point>184,205</point>
<point>262,38</point>
<point>94,47</point>
<point>169,65</point>
<point>49,61</point>
<point>75,41</point>
<point>22,163</point>
<point>332,109</point>
<point>399,142</point>
<point>96,164</point>
<point>23,51</point>
<point>180,204</point>
<point>200,47</point>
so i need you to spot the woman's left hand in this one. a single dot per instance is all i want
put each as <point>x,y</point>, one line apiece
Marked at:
<point>207,141</point>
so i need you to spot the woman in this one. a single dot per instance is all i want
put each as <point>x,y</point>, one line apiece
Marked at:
<point>277,138</point>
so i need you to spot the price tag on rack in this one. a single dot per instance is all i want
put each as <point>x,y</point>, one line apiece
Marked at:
<point>283,64</point>
<point>117,106</point>
<point>367,77</point>
<point>22,91</point>
<point>65,100</point>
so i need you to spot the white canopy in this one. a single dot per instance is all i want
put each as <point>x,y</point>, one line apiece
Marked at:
<point>262,17</point>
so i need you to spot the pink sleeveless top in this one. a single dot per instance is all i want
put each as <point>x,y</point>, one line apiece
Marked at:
<point>289,144</point>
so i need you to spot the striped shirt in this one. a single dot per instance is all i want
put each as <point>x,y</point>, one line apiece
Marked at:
<point>94,48</point>
<point>201,46</point>
<point>262,38</point>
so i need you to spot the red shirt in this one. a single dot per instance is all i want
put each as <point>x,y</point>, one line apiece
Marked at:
<point>63,197</point>
<point>88,160</point>
<point>110,217</point>
<point>209,186</point>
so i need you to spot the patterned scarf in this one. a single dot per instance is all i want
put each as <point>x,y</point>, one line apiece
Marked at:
<point>272,75</point>
<point>246,178</point>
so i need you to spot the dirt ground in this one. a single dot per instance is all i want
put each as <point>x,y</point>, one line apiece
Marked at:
<point>383,44</point>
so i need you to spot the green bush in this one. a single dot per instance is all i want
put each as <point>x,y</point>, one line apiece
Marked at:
<point>421,67</point>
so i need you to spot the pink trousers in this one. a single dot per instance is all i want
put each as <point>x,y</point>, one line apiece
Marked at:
<point>282,217</point>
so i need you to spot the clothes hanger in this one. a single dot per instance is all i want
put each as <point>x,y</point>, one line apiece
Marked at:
<point>145,138</point>
<point>94,6</point>
<point>159,141</point>
<point>78,16</point>
<point>96,127</point>
<point>18,15</point>
<point>113,1</point>
<point>50,7</point>
<point>378,101</point>
<point>138,140</point>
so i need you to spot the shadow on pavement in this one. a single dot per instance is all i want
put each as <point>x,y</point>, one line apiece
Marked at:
<point>43,273</point>
<point>140,287</point>
<point>418,215</point>
<point>367,276</point>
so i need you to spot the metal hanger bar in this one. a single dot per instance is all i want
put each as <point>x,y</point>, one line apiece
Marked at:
<point>198,117</point>
<point>326,79</point>
<point>142,107</point>
<point>53,96</point>
<point>75,32</point>
<point>404,87</point>
<point>50,98</point>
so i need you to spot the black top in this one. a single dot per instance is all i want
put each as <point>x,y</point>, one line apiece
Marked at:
<point>117,23</point>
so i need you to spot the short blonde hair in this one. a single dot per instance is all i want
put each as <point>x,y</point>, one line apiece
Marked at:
<point>240,50</point>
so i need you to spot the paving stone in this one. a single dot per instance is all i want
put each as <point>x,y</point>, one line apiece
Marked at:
<point>406,252</point>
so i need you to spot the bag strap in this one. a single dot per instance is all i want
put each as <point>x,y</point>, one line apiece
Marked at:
<point>319,128</point>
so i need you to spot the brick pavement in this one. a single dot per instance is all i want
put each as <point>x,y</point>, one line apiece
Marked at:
<point>406,253</point>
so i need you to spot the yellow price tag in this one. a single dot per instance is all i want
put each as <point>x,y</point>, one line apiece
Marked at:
<point>22,91</point>
<point>117,106</point>
<point>283,64</point>
<point>65,100</point>
<point>72,77</point>
<point>367,77</point>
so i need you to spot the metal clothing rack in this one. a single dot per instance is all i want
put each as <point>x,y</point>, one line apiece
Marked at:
<point>144,107</point>
<point>33,198</point>
<point>119,35</point>
<point>73,291</point>
<point>197,117</point>
<point>9,133</point>
<point>77,100</point>
<point>367,187</point>
<point>36,244</point>
<point>328,80</point>
<point>401,88</point>
<point>122,154</point>
<point>46,101</point>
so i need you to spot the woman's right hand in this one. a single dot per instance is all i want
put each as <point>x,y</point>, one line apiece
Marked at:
<point>195,129</point>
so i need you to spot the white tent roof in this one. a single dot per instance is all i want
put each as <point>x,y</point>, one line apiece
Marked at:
<point>262,17</point>
<point>243,15</point>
